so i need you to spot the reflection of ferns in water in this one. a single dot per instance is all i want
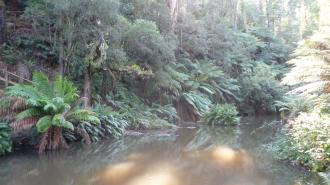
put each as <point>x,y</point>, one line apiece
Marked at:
<point>207,137</point>
<point>267,131</point>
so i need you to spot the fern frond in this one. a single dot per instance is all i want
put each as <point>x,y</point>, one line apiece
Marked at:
<point>10,106</point>
<point>26,92</point>
<point>65,89</point>
<point>18,104</point>
<point>21,125</point>
<point>83,115</point>
<point>28,113</point>
<point>6,103</point>
<point>198,101</point>
<point>44,124</point>
<point>41,83</point>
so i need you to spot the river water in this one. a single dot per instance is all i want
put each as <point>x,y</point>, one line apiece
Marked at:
<point>184,156</point>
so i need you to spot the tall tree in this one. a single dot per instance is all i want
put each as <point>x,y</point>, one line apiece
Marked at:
<point>173,6</point>
<point>2,21</point>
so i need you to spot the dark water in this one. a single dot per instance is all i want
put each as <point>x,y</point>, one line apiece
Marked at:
<point>185,156</point>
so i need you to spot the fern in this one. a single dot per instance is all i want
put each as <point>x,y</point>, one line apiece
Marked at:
<point>41,83</point>
<point>48,108</point>
<point>28,113</point>
<point>5,139</point>
<point>44,124</point>
<point>225,114</point>
<point>83,115</point>
<point>198,101</point>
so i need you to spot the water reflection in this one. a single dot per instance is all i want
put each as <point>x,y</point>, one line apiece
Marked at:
<point>200,156</point>
<point>226,157</point>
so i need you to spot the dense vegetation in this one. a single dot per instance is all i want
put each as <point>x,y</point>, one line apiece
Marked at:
<point>225,114</point>
<point>144,64</point>
<point>5,141</point>
<point>306,137</point>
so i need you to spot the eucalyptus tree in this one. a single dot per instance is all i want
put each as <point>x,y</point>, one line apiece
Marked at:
<point>2,21</point>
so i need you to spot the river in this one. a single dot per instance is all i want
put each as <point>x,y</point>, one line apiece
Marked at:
<point>184,156</point>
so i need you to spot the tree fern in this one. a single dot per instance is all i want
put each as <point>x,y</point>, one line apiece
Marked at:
<point>48,108</point>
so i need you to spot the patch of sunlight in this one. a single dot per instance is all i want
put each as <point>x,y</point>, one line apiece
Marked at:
<point>228,157</point>
<point>160,174</point>
<point>118,173</point>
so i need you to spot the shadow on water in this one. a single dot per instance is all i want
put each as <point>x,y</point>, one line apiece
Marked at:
<point>186,156</point>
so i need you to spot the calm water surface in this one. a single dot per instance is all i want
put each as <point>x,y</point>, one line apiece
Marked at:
<point>185,156</point>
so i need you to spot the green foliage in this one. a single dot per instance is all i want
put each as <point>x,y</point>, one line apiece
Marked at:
<point>133,110</point>
<point>225,114</point>
<point>206,55</point>
<point>306,139</point>
<point>49,106</point>
<point>261,89</point>
<point>111,126</point>
<point>291,106</point>
<point>5,139</point>
<point>166,112</point>
<point>145,45</point>
<point>199,102</point>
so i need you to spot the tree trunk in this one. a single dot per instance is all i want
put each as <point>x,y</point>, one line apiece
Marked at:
<point>61,50</point>
<point>262,12</point>
<point>268,14</point>
<point>2,21</point>
<point>173,6</point>
<point>87,87</point>
<point>237,12</point>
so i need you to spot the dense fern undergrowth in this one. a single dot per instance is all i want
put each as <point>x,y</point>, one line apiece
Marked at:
<point>305,138</point>
<point>101,67</point>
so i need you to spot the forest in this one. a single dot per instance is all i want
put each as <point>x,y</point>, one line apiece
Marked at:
<point>88,71</point>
